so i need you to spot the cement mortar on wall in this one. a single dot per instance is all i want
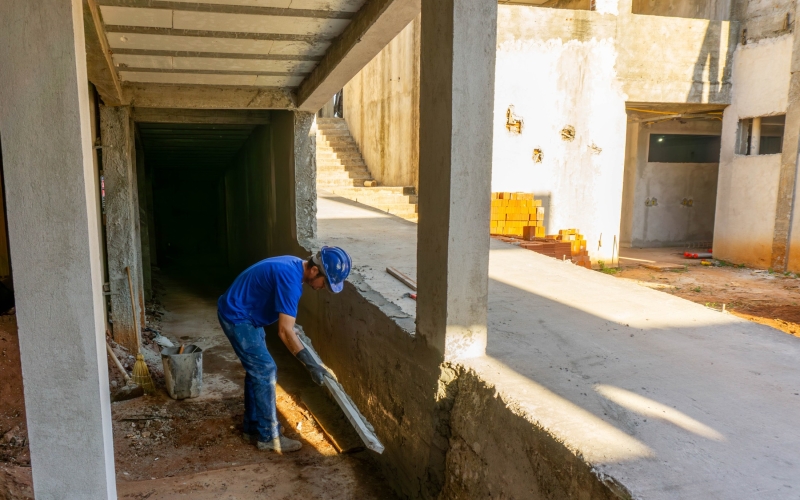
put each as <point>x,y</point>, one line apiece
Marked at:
<point>748,185</point>
<point>581,178</point>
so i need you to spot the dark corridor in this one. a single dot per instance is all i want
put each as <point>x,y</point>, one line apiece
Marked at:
<point>187,164</point>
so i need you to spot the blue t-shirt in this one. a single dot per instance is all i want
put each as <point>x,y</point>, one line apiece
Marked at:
<point>264,290</point>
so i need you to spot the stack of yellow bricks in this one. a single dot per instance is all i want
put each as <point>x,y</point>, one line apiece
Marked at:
<point>580,254</point>
<point>517,214</point>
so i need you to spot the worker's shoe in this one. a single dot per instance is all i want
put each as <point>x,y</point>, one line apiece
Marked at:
<point>252,437</point>
<point>280,444</point>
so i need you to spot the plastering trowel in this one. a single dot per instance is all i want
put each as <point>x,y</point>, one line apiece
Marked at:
<point>364,429</point>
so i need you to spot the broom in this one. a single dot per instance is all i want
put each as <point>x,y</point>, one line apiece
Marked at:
<point>141,375</point>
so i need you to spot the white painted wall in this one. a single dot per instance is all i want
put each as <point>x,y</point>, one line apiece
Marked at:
<point>748,185</point>
<point>553,83</point>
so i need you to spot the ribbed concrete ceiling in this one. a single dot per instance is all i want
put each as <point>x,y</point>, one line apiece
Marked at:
<point>242,43</point>
<point>191,146</point>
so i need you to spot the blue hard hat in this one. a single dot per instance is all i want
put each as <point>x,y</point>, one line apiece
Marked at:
<point>335,265</point>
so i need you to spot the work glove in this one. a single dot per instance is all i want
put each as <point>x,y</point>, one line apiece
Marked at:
<point>317,372</point>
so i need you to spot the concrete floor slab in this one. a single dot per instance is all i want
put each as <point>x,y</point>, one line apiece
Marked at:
<point>670,398</point>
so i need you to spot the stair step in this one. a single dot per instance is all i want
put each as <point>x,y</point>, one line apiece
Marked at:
<point>336,153</point>
<point>340,165</point>
<point>342,168</point>
<point>329,120</point>
<point>335,132</point>
<point>339,155</point>
<point>407,191</point>
<point>344,175</point>
<point>337,139</point>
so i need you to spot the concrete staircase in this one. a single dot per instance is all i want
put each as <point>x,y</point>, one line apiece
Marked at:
<point>341,170</point>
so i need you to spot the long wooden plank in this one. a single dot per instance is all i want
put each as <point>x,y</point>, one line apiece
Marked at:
<point>355,417</point>
<point>101,34</point>
<point>402,278</point>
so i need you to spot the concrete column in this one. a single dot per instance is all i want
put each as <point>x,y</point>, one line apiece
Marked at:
<point>53,213</point>
<point>305,173</point>
<point>755,136</point>
<point>457,61</point>
<point>123,243</point>
<point>787,180</point>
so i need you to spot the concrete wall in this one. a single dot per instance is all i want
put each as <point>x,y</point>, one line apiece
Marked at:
<point>675,60</point>
<point>497,451</point>
<point>764,18</point>
<point>391,375</point>
<point>381,107</point>
<point>748,185</point>
<point>269,192</point>
<point>669,223</point>
<point>554,82</point>
<point>249,195</point>
<point>556,70</point>
<point>698,9</point>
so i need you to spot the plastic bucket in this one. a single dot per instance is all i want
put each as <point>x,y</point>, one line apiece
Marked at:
<point>183,373</point>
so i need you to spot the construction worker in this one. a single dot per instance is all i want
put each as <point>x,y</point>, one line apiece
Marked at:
<point>266,292</point>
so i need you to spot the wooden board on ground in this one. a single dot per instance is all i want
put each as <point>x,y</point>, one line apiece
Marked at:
<point>664,266</point>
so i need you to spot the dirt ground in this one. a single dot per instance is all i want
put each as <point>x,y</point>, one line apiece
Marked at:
<point>771,299</point>
<point>192,448</point>
<point>15,460</point>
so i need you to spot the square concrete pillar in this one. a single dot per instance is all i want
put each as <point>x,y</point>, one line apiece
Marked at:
<point>52,201</point>
<point>457,64</point>
<point>123,239</point>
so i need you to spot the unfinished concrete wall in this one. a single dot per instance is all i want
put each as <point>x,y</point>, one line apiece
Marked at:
<point>391,375</point>
<point>381,107</point>
<point>764,18</point>
<point>748,185</point>
<point>719,10</point>
<point>559,71</point>
<point>555,83</point>
<point>674,60</point>
<point>671,222</point>
<point>249,196</point>
<point>496,451</point>
<point>270,192</point>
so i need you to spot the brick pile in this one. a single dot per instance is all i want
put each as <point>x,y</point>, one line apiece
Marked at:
<point>518,215</point>
<point>580,255</point>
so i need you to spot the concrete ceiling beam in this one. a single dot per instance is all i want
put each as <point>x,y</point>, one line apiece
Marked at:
<point>373,27</point>
<point>207,97</point>
<point>229,9</point>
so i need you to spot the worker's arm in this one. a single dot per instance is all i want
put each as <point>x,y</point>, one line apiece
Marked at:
<point>287,335</point>
<point>289,338</point>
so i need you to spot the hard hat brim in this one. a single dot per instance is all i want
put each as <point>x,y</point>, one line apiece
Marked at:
<point>335,287</point>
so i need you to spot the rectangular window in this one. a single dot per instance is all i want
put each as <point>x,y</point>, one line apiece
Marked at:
<point>684,148</point>
<point>768,132</point>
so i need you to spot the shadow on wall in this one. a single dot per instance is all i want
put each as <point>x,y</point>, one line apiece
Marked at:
<point>712,71</point>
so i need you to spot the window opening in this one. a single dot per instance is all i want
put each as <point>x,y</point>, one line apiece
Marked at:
<point>684,148</point>
<point>762,135</point>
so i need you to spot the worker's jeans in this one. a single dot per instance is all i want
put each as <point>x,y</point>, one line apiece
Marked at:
<point>260,418</point>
